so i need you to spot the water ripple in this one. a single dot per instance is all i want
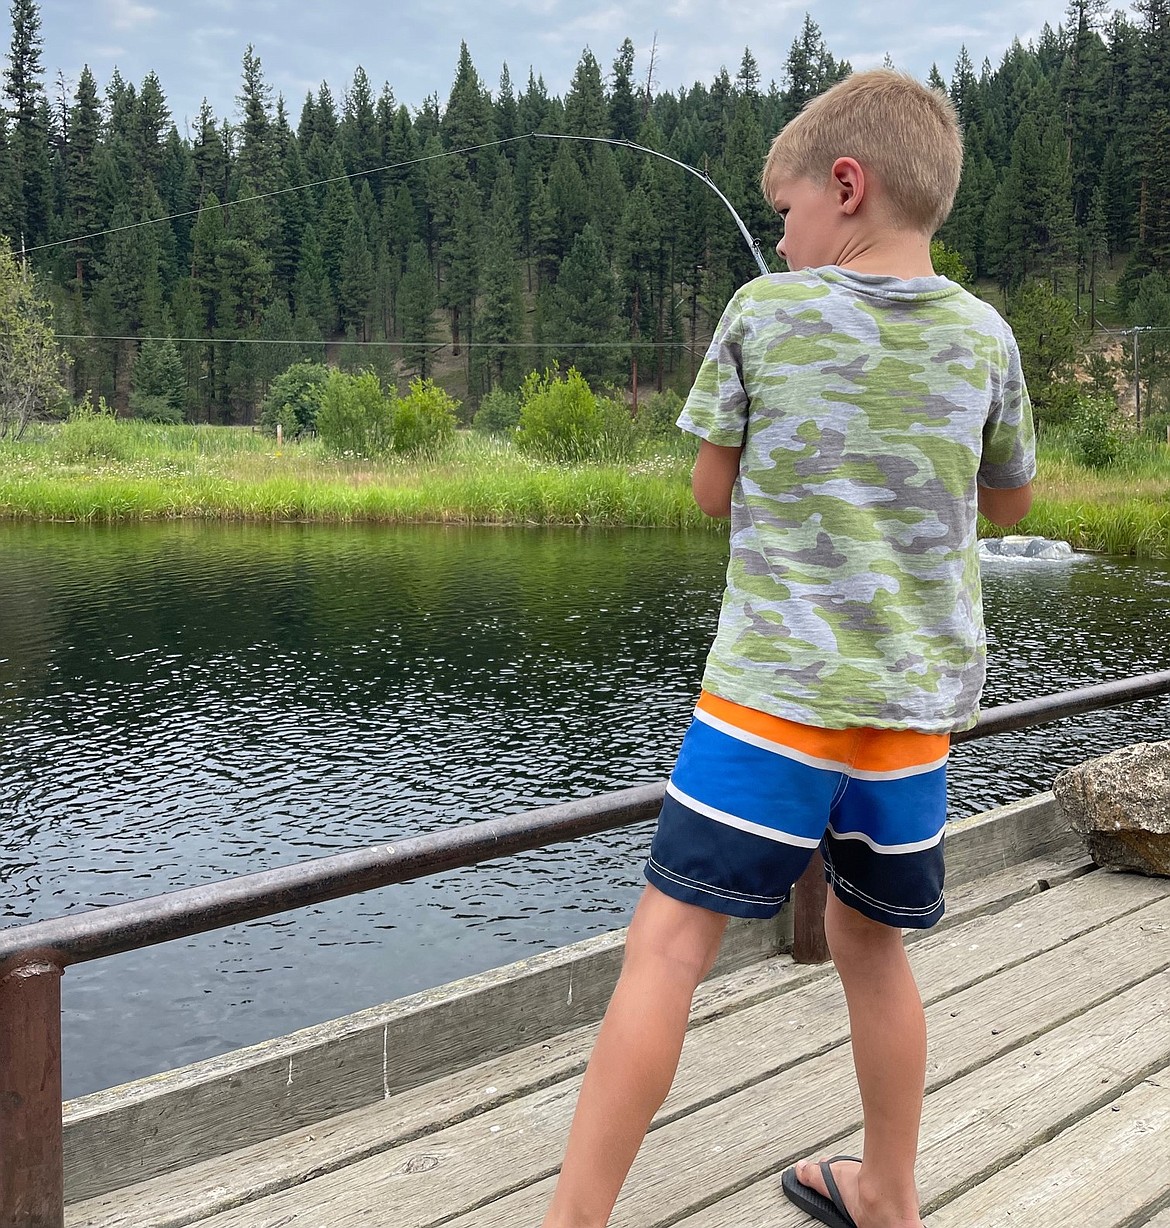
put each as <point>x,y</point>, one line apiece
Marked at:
<point>182,703</point>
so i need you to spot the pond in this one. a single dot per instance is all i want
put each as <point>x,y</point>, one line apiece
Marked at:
<point>183,702</point>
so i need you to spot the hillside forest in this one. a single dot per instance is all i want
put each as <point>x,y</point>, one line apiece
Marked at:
<point>187,270</point>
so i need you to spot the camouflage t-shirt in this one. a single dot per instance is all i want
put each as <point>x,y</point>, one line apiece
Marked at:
<point>868,409</point>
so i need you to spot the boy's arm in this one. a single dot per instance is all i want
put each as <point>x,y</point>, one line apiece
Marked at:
<point>716,469</point>
<point>1004,507</point>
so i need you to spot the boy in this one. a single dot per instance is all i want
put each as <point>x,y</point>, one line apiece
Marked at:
<point>853,413</point>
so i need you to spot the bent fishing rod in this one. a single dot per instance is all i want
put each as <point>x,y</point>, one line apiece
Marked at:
<point>752,242</point>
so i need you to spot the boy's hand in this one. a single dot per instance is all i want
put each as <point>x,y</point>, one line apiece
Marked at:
<point>716,469</point>
<point>1005,507</point>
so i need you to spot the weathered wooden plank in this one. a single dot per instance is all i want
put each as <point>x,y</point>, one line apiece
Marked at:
<point>750,1136</point>
<point>1035,922</point>
<point>180,1118</point>
<point>1103,1171</point>
<point>1161,1219</point>
<point>518,1144</point>
<point>1006,836</point>
<point>264,1168</point>
<point>984,1121</point>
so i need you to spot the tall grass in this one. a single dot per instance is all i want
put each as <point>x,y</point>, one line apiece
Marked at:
<point>167,472</point>
<point>162,472</point>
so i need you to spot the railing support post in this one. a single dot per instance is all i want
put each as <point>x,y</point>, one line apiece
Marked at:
<point>809,945</point>
<point>32,1169</point>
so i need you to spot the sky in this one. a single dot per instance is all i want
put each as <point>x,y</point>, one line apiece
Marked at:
<point>196,46</point>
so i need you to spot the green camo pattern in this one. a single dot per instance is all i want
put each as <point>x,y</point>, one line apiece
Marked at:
<point>868,409</point>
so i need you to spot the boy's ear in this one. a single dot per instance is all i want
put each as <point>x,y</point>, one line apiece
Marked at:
<point>848,182</point>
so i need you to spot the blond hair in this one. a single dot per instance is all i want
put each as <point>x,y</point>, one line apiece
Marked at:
<point>895,127</point>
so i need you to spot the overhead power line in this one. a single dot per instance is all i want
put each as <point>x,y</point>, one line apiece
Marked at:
<point>431,344</point>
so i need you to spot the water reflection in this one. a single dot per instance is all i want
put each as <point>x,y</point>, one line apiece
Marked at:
<point>178,703</point>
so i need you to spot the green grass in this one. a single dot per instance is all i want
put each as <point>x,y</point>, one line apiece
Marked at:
<point>221,473</point>
<point>154,472</point>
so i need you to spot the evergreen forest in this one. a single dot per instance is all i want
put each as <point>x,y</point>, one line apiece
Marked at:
<point>446,241</point>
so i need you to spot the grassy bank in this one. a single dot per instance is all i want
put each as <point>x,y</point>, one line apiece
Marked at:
<point>163,472</point>
<point>147,472</point>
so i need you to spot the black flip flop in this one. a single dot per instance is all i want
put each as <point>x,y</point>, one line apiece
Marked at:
<point>812,1202</point>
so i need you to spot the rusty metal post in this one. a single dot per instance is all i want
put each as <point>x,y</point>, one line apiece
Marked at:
<point>32,1169</point>
<point>809,945</point>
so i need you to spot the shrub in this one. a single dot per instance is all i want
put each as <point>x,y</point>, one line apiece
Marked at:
<point>91,432</point>
<point>1096,442</point>
<point>1157,427</point>
<point>424,419</point>
<point>155,407</point>
<point>561,420</point>
<point>355,417</point>
<point>658,413</point>
<point>618,439</point>
<point>498,412</point>
<point>294,398</point>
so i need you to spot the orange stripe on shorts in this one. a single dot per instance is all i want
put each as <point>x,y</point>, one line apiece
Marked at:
<point>880,750</point>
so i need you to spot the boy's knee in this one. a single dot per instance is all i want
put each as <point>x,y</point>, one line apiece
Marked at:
<point>852,935</point>
<point>667,930</point>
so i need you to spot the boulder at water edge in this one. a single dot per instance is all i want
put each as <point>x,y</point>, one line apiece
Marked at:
<point>1120,804</point>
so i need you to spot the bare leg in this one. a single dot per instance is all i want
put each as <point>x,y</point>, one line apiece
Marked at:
<point>888,1030</point>
<point>670,948</point>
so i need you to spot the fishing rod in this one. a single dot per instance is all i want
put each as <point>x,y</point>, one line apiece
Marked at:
<point>752,242</point>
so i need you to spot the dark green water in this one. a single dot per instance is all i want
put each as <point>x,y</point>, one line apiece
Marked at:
<point>180,703</point>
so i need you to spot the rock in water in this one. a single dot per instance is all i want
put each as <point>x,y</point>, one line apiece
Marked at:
<point>1016,546</point>
<point>1120,804</point>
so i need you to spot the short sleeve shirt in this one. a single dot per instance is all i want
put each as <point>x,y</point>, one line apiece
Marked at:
<point>869,410</point>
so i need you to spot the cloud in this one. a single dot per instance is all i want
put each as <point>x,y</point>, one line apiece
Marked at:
<point>130,14</point>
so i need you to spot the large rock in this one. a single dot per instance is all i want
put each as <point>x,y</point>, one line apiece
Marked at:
<point>1120,804</point>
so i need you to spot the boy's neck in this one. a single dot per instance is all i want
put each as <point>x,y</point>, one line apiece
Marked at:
<point>898,254</point>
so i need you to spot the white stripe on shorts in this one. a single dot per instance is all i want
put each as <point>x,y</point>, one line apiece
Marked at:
<point>733,820</point>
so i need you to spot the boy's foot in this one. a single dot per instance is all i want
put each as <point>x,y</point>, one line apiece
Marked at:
<point>827,1189</point>
<point>815,1188</point>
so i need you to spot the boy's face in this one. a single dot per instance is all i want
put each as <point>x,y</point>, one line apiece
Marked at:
<point>810,212</point>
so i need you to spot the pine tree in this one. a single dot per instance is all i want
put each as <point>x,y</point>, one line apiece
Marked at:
<point>582,326</point>
<point>9,185</point>
<point>416,309</point>
<point>257,160</point>
<point>747,80</point>
<point>501,312</point>
<point>28,136</point>
<point>467,121</point>
<point>81,215</point>
<point>312,292</point>
<point>624,116</point>
<point>505,112</point>
<point>159,381</point>
<point>361,141</point>
<point>810,68</point>
<point>336,214</point>
<point>150,123</point>
<point>356,283</point>
<point>460,253</point>
<point>209,156</point>
<point>586,108</point>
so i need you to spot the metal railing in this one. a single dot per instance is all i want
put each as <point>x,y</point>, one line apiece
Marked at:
<point>34,957</point>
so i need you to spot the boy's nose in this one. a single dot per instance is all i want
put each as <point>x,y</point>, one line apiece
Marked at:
<point>780,249</point>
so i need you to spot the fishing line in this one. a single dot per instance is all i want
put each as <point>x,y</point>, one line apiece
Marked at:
<point>702,175</point>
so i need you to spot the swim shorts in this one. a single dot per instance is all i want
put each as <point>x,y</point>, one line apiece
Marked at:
<point>752,796</point>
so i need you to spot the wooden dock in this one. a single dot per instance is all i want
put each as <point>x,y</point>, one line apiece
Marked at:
<point>1048,1100</point>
